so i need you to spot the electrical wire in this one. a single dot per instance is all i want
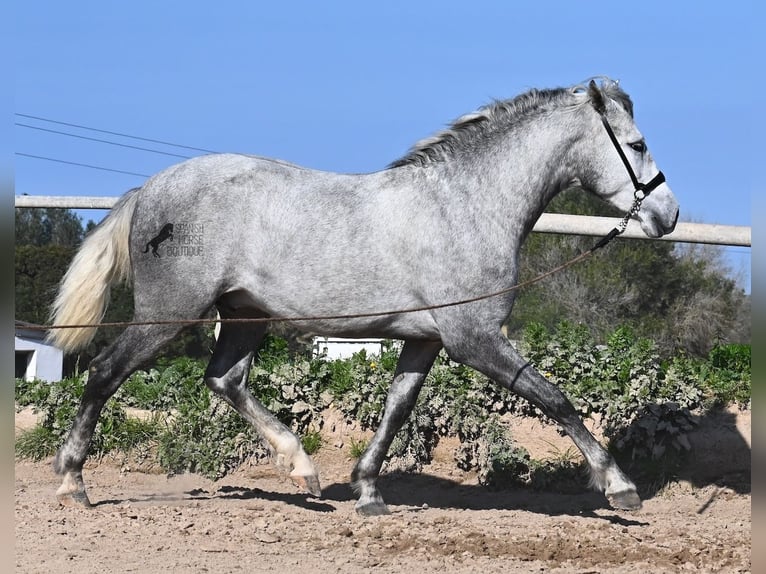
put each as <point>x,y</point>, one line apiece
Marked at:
<point>101,140</point>
<point>82,127</point>
<point>29,155</point>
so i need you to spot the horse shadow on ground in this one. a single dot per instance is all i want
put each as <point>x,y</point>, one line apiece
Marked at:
<point>407,492</point>
<point>223,493</point>
<point>716,451</point>
<point>718,455</point>
<point>416,492</point>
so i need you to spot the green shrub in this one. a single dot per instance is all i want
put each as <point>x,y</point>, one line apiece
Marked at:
<point>294,391</point>
<point>58,405</point>
<point>312,442</point>
<point>643,406</point>
<point>206,436</point>
<point>37,443</point>
<point>489,449</point>
<point>32,392</point>
<point>356,447</point>
<point>726,375</point>
<point>644,403</point>
<point>732,357</point>
<point>165,386</point>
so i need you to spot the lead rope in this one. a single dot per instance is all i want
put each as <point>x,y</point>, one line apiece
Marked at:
<point>641,191</point>
<point>188,322</point>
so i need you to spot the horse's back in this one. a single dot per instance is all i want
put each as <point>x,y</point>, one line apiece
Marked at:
<point>290,240</point>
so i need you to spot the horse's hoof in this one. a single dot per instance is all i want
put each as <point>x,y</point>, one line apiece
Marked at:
<point>372,509</point>
<point>77,499</point>
<point>309,484</point>
<point>625,500</point>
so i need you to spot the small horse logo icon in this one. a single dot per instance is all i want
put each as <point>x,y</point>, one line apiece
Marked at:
<point>165,233</point>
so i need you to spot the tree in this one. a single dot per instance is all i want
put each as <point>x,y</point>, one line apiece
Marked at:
<point>46,240</point>
<point>38,271</point>
<point>45,226</point>
<point>680,297</point>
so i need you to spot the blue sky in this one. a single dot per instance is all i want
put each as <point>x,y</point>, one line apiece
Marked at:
<point>349,86</point>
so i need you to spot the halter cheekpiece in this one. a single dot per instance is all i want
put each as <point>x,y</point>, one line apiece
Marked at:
<point>641,190</point>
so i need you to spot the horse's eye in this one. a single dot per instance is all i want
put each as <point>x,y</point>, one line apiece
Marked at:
<point>639,146</point>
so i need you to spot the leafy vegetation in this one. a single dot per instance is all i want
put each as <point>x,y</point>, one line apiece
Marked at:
<point>682,297</point>
<point>58,403</point>
<point>356,448</point>
<point>644,403</point>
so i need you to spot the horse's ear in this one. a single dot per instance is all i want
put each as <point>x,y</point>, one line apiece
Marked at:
<point>596,97</point>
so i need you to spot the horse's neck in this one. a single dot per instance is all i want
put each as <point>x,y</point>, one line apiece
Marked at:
<point>518,177</point>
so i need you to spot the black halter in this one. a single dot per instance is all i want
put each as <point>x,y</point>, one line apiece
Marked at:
<point>641,189</point>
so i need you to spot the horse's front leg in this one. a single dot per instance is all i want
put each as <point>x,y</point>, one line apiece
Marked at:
<point>492,354</point>
<point>415,361</point>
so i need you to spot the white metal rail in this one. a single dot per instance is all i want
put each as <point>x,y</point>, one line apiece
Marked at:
<point>736,235</point>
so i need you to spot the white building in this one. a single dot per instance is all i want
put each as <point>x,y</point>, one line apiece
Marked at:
<point>35,358</point>
<point>340,348</point>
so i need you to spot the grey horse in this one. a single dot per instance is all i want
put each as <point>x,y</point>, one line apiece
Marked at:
<point>444,223</point>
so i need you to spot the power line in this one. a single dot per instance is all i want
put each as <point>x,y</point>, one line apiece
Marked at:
<point>82,127</point>
<point>29,155</point>
<point>100,140</point>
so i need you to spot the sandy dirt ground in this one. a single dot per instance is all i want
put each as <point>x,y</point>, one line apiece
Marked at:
<point>255,520</point>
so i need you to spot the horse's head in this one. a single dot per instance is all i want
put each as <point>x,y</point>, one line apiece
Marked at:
<point>621,162</point>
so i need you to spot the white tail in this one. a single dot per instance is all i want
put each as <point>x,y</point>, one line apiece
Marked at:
<point>102,260</point>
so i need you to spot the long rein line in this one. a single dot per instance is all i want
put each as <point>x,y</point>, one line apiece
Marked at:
<point>187,322</point>
<point>641,191</point>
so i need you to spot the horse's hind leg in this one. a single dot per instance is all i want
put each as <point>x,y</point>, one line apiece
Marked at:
<point>106,373</point>
<point>414,363</point>
<point>227,375</point>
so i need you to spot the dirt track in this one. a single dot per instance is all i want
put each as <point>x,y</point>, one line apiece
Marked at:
<point>442,521</point>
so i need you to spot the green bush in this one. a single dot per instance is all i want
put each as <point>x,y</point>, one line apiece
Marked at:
<point>490,449</point>
<point>726,375</point>
<point>58,403</point>
<point>206,436</point>
<point>37,443</point>
<point>165,386</point>
<point>294,391</point>
<point>618,382</point>
<point>32,392</point>
<point>356,447</point>
<point>312,442</point>
<point>644,403</point>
